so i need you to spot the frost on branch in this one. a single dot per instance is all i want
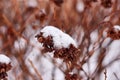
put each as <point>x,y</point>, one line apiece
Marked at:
<point>63,46</point>
<point>5,65</point>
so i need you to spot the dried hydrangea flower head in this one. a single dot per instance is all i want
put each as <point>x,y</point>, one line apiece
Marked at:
<point>72,77</point>
<point>114,32</point>
<point>63,46</point>
<point>5,65</point>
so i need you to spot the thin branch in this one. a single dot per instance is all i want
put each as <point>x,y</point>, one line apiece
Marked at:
<point>35,69</point>
<point>116,76</point>
<point>105,73</point>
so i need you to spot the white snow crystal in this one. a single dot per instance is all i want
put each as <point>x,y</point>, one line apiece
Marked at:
<point>60,38</point>
<point>4,59</point>
<point>105,32</point>
<point>80,6</point>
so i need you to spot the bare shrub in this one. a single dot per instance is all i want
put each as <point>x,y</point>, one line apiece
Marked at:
<point>89,22</point>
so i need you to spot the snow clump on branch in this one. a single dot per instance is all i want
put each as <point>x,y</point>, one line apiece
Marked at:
<point>61,44</point>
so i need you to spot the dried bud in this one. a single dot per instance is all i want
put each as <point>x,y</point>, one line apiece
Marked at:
<point>47,43</point>
<point>41,15</point>
<point>5,65</point>
<point>114,32</point>
<point>68,54</point>
<point>106,3</point>
<point>71,77</point>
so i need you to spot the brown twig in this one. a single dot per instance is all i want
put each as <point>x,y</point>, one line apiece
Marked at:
<point>105,73</point>
<point>35,69</point>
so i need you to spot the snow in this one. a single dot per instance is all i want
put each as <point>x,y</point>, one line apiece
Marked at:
<point>60,39</point>
<point>105,32</point>
<point>117,28</point>
<point>59,75</point>
<point>3,29</point>
<point>106,42</point>
<point>33,56</point>
<point>32,3</point>
<point>91,47</point>
<point>94,36</point>
<point>112,52</point>
<point>46,68</point>
<point>20,43</point>
<point>4,59</point>
<point>114,68</point>
<point>80,6</point>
